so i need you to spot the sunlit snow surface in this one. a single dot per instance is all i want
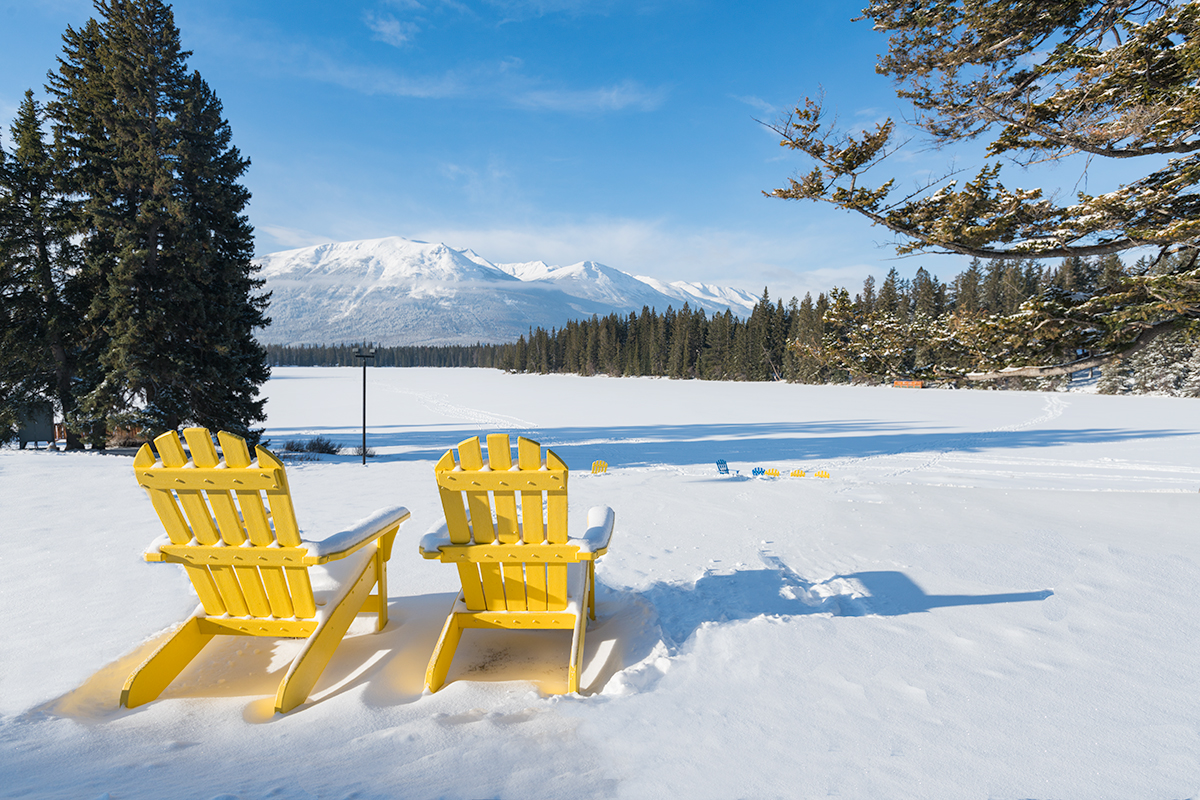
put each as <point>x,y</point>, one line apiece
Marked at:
<point>994,595</point>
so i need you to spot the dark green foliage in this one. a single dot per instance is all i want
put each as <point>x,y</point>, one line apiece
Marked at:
<point>1168,366</point>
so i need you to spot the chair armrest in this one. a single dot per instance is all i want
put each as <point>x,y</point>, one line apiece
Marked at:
<point>152,551</point>
<point>592,544</point>
<point>436,538</point>
<point>595,539</point>
<point>345,542</point>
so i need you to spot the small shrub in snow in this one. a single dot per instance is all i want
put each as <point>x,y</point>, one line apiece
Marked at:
<point>317,444</point>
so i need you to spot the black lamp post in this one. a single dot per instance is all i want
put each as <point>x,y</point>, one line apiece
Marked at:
<point>363,354</point>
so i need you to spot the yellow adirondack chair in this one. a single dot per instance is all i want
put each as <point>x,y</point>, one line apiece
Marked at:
<point>519,568</point>
<point>247,561</point>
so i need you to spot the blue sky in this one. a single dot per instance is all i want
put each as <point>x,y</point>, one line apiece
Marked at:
<point>561,130</point>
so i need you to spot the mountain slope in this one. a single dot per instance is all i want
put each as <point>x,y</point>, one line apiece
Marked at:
<point>396,291</point>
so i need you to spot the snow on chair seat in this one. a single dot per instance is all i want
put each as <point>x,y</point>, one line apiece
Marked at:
<point>247,561</point>
<point>506,531</point>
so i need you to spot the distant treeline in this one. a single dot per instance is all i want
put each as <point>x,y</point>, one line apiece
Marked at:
<point>677,344</point>
<point>342,355</point>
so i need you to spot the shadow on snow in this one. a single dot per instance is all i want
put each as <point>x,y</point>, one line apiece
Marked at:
<point>681,445</point>
<point>779,592</point>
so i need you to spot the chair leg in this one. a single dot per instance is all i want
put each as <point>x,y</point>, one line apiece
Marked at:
<point>318,649</point>
<point>148,681</point>
<point>576,666</point>
<point>443,653</point>
<point>591,588</point>
<point>381,568</point>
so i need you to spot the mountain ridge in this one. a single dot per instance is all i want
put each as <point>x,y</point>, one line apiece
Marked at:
<point>396,291</point>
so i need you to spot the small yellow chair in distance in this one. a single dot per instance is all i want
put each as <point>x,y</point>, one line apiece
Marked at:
<point>247,561</point>
<point>599,467</point>
<point>518,567</point>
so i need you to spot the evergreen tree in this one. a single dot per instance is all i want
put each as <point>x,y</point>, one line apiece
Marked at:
<point>1110,270</point>
<point>805,340</point>
<point>38,266</point>
<point>925,294</point>
<point>867,299</point>
<point>889,294</point>
<point>968,288</point>
<point>167,245</point>
<point>790,359</point>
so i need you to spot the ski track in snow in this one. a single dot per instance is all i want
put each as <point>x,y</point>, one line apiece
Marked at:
<point>928,459</point>
<point>440,404</point>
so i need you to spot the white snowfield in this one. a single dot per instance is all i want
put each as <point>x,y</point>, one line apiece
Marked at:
<point>994,595</point>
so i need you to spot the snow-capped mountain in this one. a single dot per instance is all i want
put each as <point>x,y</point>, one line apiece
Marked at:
<point>397,291</point>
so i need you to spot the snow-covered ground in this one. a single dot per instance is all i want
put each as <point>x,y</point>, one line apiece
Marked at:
<point>994,595</point>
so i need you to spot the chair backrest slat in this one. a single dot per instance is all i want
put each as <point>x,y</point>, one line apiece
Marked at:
<point>162,500</point>
<point>500,460</point>
<point>283,515</point>
<point>556,503</point>
<point>535,586</point>
<point>468,574</point>
<point>254,516</point>
<point>483,529</point>
<point>204,454</point>
<point>452,503</point>
<point>479,509</point>
<point>529,457</point>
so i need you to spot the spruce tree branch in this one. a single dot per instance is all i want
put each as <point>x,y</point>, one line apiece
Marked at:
<point>1080,144</point>
<point>1142,341</point>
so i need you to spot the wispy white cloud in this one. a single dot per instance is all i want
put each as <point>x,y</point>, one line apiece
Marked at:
<point>382,81</point>
<point>482,185</point>
<point>765,110</point>
<point>390,30</point>
<point>519,9</point>
<point>503,81</point>
<point>729,257</point>
<point>278,236</point>
<point>627,94</point>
